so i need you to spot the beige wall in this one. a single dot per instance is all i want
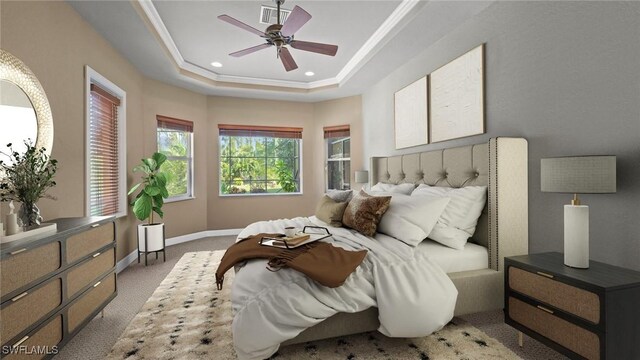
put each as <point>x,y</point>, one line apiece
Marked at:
<point>239,211</point>
<point>187,216</point>
<point>345,111</point>
<point>56,43</point>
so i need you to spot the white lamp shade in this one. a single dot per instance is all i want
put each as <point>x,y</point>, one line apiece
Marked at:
<point>362,176</point>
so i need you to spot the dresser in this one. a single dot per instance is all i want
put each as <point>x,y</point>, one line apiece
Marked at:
<point>589,313</point>
<point>52,285</point>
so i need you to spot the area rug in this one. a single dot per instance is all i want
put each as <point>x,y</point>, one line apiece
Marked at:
<point>188,318</point>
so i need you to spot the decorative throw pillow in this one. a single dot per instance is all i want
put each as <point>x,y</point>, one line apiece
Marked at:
<point>340,195</point>
<point>410,219</point>
<point>459,219</point>
<point>364,212</point>
<point>405,189</point>
<point>330,211</point>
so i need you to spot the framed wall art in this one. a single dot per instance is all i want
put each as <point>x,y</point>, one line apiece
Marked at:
<point>412,114</point>
<point>457,97</point>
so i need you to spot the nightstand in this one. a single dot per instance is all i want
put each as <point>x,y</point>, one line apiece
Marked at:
<point>589,313</point>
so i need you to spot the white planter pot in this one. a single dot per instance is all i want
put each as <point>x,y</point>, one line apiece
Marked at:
<point>150,237</point>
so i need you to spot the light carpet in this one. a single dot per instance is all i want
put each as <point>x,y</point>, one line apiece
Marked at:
<point>188,318</point>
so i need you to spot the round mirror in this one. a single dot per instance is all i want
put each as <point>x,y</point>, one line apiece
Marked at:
<point>24,109</point>
<point>18,116</point>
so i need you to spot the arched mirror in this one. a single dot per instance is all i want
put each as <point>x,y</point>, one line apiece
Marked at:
<point>24,109</point>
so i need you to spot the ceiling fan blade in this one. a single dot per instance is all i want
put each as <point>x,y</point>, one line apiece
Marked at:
<point>295,21</point>
<point>287,59</point>
<point>249,50</point>
<point>325,49</point>
<point>240,24</point>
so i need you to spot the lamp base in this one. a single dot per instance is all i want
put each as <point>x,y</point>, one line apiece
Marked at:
<point>576,236</point>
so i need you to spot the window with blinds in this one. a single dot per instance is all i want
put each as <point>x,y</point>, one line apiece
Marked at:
<point>338,160</point>
<point>257,160</point>
<point>175,140</point>
<point>105,141</point>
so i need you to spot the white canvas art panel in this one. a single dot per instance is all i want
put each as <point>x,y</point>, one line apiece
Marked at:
<point>457,97</point>
<point>412,115</point>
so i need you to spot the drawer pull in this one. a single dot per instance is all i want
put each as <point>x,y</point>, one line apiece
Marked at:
<point>545,309</point>
<point>18,251</point>
<point>95,225</point>
<point>96,284</point>
<point>19,296</point>
<point>96,254</point>
<point>545,274</point>
<point>20,341</point>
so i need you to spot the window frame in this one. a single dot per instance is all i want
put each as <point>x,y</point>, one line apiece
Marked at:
<point>190,161</point>
<point>300,163</point>
<point>329,130</point>
<point>93,77</point>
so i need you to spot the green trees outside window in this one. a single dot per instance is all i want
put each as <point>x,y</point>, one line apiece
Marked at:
<point>176,145</point>
<point>259,164</point>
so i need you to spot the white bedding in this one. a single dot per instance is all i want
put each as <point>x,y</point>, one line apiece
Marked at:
<point>472,257</point>
<point>413,294</point>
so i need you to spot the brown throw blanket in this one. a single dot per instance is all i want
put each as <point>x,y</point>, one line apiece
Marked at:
<point>320,261</point>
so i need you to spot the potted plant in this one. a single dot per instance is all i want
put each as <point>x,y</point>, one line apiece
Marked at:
<point>26,178</point>
<point>149,200</point>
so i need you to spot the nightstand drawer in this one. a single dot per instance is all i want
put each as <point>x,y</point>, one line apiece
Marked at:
<point>545,288</point>
<point>544,322</point>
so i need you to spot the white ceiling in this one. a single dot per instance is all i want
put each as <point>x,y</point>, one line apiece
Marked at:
<point>175,42</point>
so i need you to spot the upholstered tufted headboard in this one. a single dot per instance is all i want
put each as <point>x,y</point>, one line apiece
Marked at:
<point>500,164</point>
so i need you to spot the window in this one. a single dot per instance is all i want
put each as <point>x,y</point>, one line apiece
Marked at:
<point>260,160</point>
<point>338,157</point>
<point>106,141</point>
<point>175,139</point>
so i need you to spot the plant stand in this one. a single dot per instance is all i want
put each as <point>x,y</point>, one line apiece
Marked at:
<point>151,239</point>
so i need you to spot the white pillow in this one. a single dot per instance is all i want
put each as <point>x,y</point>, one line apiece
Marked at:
<point>459,219</point>
<point>405,189</point>
<point>410,219</point>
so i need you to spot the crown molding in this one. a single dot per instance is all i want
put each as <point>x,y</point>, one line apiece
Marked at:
<point>391,26</point>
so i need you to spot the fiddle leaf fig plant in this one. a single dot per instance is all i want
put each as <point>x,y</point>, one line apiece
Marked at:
<point>153,188</point>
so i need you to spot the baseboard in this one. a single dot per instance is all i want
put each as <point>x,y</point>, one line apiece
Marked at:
<point>133,256</point>
<point>122,264</point>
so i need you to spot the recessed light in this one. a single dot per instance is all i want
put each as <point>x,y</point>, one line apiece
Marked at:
<point>216,64</point>
<point>309,73</point>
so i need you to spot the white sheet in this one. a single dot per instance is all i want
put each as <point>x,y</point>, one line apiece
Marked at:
<point>413,294</point>
<point>472,257</point>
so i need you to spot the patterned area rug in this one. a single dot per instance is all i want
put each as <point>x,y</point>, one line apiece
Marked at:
<point>188,318</point>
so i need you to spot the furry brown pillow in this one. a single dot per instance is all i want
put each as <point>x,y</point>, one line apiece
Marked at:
<point>364,212</point>
<point>330,211</point>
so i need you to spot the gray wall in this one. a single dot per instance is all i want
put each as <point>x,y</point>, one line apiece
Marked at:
<point>565,76</point>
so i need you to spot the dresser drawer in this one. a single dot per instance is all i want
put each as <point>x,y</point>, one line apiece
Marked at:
<point>39,344</point>
<point>18,270</point>
<point>29,307</point>
<point>544,288</point>
<point>89,271</point>
<point>577,339</point>
<point>88,242</point>
<point>90,301</point>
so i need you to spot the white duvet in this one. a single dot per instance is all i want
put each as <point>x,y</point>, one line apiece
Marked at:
<point>414,296</point>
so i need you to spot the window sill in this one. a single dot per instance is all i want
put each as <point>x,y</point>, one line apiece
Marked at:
<point>260,194</point>
<point>178,199</point>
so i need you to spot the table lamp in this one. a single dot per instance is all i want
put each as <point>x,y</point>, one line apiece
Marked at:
<point>362,177</point>
<point>578,175</point>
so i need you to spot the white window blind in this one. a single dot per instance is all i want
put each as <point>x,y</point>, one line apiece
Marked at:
<point>104,182</point>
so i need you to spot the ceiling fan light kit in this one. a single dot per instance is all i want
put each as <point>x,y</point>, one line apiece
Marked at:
<point>281,36</point>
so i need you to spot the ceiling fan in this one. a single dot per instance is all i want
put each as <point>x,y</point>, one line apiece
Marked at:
<point>281,35</point>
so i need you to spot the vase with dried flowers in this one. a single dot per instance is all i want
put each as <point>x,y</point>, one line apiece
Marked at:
<point>26,178</point>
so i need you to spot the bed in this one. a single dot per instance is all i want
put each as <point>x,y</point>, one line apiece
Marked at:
<point>476,271</point>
